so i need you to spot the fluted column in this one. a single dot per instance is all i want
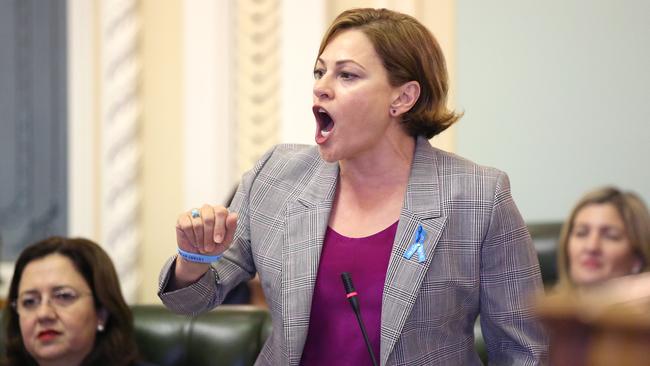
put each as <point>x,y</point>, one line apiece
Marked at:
<point>120,150</point>
<point>258,79</point>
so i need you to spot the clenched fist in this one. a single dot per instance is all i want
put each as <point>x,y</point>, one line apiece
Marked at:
<point>209,230</point>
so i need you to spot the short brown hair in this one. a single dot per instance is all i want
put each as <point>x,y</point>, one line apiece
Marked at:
<point>116,344</point>
<point>632,211</point>
<point>409,52</point>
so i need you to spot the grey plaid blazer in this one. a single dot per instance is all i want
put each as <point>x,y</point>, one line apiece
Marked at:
<point>479,260</point>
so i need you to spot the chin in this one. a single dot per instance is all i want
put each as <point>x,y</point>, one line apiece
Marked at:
<point>590,280</point>
<point>326,155</point>
<point>48,355</point>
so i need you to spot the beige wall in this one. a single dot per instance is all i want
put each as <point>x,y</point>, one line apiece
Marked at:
<point>162,138</point>
<point>440,16</point>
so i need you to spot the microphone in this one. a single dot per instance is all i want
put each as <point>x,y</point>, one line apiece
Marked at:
<point>351,294</point>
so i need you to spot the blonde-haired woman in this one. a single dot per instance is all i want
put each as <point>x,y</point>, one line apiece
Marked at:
<point>606,236</point>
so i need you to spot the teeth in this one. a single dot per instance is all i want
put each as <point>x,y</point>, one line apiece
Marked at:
<point>323,131</point>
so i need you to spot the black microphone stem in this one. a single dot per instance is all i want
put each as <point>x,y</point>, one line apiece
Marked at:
<point>365,338</point>
<point>352,298</point>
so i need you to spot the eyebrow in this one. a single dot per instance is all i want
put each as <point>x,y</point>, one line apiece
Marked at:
<point>55,288</point>
<point>28,292</point>
<point>341,62</point>
<point>598,227</point>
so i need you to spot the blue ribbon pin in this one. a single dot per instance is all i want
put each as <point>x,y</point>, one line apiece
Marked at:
<point>418,245</point>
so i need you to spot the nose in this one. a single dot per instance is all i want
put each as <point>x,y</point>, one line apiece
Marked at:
<point>322,89</point>
<point>45,309</point>
<point>592,243</point>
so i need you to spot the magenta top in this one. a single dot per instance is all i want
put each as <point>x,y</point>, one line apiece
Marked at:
<point>334,336</point>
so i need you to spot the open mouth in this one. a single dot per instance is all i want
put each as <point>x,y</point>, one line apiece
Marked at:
<point>325,123</point>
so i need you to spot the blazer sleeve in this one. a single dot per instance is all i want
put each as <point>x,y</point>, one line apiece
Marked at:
<point>236,265</point>
<point>510,280</point>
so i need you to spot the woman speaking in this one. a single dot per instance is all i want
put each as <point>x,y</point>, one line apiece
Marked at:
<point>431,240</point>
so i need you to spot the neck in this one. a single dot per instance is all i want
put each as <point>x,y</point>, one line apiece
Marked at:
<point>390,167</point>
<point>371,190</point>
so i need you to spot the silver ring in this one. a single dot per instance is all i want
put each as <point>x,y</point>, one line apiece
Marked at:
<point>195,213</point>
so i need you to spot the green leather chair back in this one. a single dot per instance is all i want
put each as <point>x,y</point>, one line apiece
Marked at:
<point>545,238</point>
<point>230,335</point>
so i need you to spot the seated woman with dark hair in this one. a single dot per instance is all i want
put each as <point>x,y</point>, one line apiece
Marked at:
<point>67,308</point>
<point>606,236</point>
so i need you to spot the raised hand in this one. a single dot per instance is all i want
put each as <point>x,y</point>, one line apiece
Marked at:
<point>209,230</point>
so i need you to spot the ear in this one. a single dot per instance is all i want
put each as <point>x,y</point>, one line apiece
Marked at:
<point>102,317</point>
<point>637,265</point>
<point>408,94</point>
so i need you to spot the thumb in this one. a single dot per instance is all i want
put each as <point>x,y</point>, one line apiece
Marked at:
<point>231,227</point>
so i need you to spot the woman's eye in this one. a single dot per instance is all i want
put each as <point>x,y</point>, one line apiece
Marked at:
<point>318,74</point>
<point>347,76</point>
<point>580,233</point>
<point>613,235</point>
<point>29,303</point>
<point>65,296</point>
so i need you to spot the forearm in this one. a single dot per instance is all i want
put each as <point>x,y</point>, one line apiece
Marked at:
<point>185,273</point>
<point>199,296</point>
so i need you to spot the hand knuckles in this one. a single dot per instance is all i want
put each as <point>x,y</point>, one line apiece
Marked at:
<point>221,211</point>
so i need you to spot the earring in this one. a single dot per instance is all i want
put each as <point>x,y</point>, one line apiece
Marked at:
<point>393,112</point>
<point>100,327</point>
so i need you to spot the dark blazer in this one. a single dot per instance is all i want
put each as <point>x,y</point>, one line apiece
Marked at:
<point>479,260</point>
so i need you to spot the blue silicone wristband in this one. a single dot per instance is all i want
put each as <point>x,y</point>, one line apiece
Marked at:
<point>196,257</point>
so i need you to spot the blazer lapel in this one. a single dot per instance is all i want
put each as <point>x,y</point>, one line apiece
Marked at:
<point>422,207</point>
<point>306,224</point>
